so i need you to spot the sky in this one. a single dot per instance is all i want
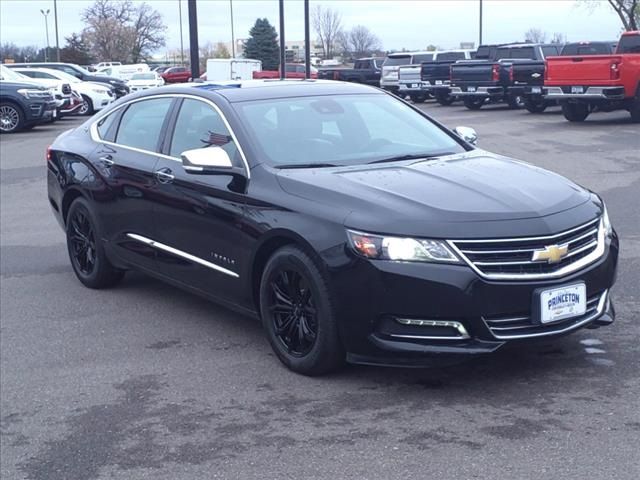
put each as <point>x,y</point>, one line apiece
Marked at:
<point>411,24</point>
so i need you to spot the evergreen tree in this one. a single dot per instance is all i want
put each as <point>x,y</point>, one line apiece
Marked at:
<point>75,51</point>
<point>262,44</point>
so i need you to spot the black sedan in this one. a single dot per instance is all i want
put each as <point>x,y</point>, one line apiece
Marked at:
<point>352,224</point>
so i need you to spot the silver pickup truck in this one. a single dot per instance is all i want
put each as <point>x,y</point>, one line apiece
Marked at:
<point>410,77</point>
<point>389,78</point>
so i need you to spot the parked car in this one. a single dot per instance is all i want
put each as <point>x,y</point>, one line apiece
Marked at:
<point>291,70</point>
<point>23,105</point>
<point>420,81</point>
<point>176,75</point>
<point>118,86</point>
<point>389,79</point>
<point>531,77</point>
<point>123,72</point>
<point>95,96</point>
<point>60,89</point>
<point>350,222</point>
<point>365,70</point>
<point>480,83</point>
<point>587,83</point>
<point>145,80</point>
<point>100,65</point>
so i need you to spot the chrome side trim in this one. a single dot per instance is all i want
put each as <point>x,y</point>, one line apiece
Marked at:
<point>93,129</point>
<point>566,270</point>
<point>463,334</point>
<point>180,253</point>
<point>602,302</point>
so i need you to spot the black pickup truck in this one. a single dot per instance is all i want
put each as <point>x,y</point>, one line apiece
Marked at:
<point>479,83</point>
<point>528,77</point>
<point>365,70</point>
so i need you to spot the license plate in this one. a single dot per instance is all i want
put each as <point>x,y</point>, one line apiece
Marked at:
<point>577,89</point>
<point>438,82</point>
<point>471,89</point>
<point>536,89</point>
<point>54,114</point>
<point>563,302</point>
<point>414,85</point>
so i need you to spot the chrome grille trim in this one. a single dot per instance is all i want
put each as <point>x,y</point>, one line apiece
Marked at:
<point>595,308</point>
<point>486,268</point>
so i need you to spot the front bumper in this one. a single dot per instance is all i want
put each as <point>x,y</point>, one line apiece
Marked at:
<point>380,295</point>
<point>588,93</point>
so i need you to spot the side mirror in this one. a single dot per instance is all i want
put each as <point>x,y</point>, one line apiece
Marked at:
<point>468,134</point>
<point>214,161</point>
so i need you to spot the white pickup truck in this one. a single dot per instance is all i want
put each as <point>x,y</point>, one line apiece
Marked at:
<point>418,80</point>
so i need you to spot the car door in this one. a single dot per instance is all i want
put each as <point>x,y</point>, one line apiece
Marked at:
<point>126,157</point>
<point>199,217</point>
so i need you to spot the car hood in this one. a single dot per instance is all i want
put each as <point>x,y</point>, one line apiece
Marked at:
<point>443,197</point>
<point>25,84</point>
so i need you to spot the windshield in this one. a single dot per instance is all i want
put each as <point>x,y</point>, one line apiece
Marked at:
<point>516,52</point>
<point>63,76</point>
<point>340,130</point>
<point>143,76</point>
<point>8,74</point>
<point>397,60</point>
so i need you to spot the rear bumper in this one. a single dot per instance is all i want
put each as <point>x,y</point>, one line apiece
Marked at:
<point>479,92</point>
<point>590,93</point>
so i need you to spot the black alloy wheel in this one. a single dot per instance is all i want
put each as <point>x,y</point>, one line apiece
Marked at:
<point>294,316</point>
<point>298,315</point>
<point>86,251</point>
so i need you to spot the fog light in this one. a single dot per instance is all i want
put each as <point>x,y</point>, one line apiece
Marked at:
<point>435,323</point>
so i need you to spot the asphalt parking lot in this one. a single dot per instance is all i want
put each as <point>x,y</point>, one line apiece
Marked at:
<point>147,382</point>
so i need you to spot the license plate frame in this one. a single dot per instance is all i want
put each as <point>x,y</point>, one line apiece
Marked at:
<point>536,90</point>
<point>579,89</point>
<point>547,311</point>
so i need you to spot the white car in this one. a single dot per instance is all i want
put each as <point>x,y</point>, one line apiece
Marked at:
<point>144,81</point>
<point>95,96</point>
<point>60,89</point>
<point>106,64</point>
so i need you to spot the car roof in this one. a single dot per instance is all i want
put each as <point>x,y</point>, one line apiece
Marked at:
<point>247,90</point>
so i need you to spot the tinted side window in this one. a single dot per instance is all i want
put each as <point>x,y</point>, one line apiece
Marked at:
<point>200,126</point>
<point>141,124</point>
<point>105,124</point>
<point>629,44</point>
<point>549,51</point>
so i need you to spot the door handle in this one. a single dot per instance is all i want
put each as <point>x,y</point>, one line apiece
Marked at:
<point>107,160</point>
<point>164,175</point>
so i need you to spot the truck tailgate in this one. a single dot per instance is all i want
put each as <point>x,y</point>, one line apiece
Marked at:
<point>434,71</point>
<point>587,70</point>
<point>471,72</point>
<point>409,74</point>
<point>528,73</point>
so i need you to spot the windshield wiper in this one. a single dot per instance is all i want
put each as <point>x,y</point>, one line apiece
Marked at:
<point>308,165</point>
<point>411,156</point>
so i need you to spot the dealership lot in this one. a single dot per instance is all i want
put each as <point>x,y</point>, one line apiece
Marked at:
<point>144,381</point>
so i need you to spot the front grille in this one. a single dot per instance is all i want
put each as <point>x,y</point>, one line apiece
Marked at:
<point>66,89</point>
<point>523,326</point>
<point>513,258</point>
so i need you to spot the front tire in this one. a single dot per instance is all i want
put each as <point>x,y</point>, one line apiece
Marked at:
<point>575,112</point>
<point>11,118</point>
<point>86,251</point>
<point>535,107</point>
<point>87,106</point>
<point>298,315</point>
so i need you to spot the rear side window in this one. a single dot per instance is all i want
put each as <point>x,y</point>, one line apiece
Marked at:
<point>587,49</point>
<point>516,52</point>
<point>200,126</point>
<point>550,51</point>
<point>397,60</point>
<point>629,44</point>
<point>105,127</point>
<point>422,58</point>
<point>451,56</point>
<point>142,122</point>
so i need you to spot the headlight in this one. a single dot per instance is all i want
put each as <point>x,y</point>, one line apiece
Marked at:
<point>401,249</point>
<point>29,93</point>
<point>606,223</point>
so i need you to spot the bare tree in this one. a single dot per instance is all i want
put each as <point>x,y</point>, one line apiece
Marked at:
<point>327,24</point>
<point>363,42</point>
<point>535,35</point>
<point>148,32</point>
<point>627,10</point>
<point>558,37</point>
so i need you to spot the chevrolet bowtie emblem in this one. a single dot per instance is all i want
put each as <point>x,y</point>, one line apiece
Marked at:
<point>535,75</point>
<point>551,253</point>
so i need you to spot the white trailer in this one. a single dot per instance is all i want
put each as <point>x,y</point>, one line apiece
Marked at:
<point>232,68</point>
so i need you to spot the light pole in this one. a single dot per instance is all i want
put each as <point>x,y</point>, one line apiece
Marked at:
<point>55,19</point>
<point>181,41</point>
<point>233,38</point>
<point>480,40</point>
<point>282,44</point>
<point>46,27</point>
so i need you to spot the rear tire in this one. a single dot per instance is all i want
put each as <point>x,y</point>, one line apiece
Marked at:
<point>474,103</point>
<point>515,102</point>
<point>445,99</point>
<point>298,314</point>
<point>535,107</point>
<point>575,112</point>
<point>635,109</point>
<point>86,251</point>
<point>418,98</point>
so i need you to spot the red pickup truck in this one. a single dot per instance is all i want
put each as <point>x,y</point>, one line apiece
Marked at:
<point>584,84</point>
<point>291,70</point>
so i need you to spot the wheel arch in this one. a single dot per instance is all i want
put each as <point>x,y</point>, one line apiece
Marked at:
<point>67,199</point>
